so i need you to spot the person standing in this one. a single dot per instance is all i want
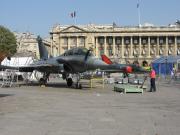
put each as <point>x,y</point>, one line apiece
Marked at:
<point>152,80</point>
<point>172,76</point>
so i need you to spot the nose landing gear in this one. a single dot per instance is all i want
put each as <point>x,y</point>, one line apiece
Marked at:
<point>69,79</point>
<point>69,82</point>
<point>43,80</point>
<point>76,78</point>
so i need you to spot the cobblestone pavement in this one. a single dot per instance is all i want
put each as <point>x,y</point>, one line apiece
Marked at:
<point>58,110</point>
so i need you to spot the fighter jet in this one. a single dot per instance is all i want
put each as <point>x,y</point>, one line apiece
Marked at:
<point>73,61</point>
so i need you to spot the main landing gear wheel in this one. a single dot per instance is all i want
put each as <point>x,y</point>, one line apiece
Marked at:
<point>42,81</point>
<point>69,82</point>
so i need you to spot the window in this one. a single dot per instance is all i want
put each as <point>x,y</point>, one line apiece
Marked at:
<point>82,41</point>
<point>118,40</point>
<point>144,40</point>
<point>170,40</point>
<point>153,40</point>
<point>101,40</point>
<point>135,40</point>
<point>178,40</point>
<point>162,40</point>
<point>110,40</point>
<point>65,41</point>
<point>127,40</point>
<point>101,51</point>
<point>110,52</point>
<point>74,41</point>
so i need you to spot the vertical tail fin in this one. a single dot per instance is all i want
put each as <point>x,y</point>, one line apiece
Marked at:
<point>106,59</point>
<point>42,49</point>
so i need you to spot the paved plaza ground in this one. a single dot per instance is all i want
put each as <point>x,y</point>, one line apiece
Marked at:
<point>58,110</point>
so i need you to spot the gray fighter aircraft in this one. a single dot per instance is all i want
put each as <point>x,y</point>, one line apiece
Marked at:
<point>73,61</point>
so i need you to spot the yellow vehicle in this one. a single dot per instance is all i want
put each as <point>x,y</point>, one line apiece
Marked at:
<point>148,68</point>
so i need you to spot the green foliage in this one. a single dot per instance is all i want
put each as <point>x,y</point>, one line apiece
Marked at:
<point>7,41</point>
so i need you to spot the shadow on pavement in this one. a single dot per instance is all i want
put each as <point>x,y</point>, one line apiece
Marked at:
<point>5,95</point>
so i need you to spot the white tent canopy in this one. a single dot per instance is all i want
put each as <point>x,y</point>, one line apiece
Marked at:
<point>17,61</point>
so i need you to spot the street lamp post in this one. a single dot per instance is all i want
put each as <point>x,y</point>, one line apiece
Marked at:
<point>166,66</point>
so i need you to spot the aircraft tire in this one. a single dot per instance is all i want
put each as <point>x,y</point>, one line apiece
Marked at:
<point>69,82</point>
<point>42,81</point>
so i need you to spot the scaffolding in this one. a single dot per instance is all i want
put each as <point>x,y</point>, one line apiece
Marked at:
<point>9,78</point>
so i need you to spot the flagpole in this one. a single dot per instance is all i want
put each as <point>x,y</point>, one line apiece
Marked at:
<point>74,20</point>
<point>139,13</point>
<point>139,16</point>
<point>75,16</point>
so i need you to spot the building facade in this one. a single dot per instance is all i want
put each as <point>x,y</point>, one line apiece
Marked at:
<point>121,44</point>
<point>27,44</point>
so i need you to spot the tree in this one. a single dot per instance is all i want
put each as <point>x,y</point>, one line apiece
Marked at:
<point>7,43</point>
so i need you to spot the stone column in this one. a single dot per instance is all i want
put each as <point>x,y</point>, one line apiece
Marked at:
<point>51,47</point>
<point>60,46</point>
<point>114,49</point>
<point>85,42</point>
<point>68,43</point>
<point>105,45</point>
<point>175,45</point>
<point>140,47</point>
<point>122,48</point>
<point>157,47</point>
<point>131,48</point>
<point>96,51</point>
<point>166,47</point>
<point>77,42</point>
<point>149,47</point>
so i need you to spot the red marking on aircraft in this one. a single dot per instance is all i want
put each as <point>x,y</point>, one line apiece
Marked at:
<point>128,69</point>
<point>106,59</point>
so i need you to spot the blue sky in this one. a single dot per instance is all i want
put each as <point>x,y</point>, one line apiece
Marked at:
<point>38,16</point>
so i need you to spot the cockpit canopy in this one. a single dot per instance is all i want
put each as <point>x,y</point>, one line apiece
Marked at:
<point>78,51</point>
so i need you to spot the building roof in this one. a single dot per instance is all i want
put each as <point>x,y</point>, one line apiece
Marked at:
<point>24,54</point>
<point>113,27</point>
<point>167,59</point>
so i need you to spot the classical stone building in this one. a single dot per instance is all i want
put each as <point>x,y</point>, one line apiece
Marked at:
<point>122,44</point>
<point>27,44</point>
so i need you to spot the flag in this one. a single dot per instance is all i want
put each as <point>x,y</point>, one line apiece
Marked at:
<point>73,14</point>
<point>138,3</point>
